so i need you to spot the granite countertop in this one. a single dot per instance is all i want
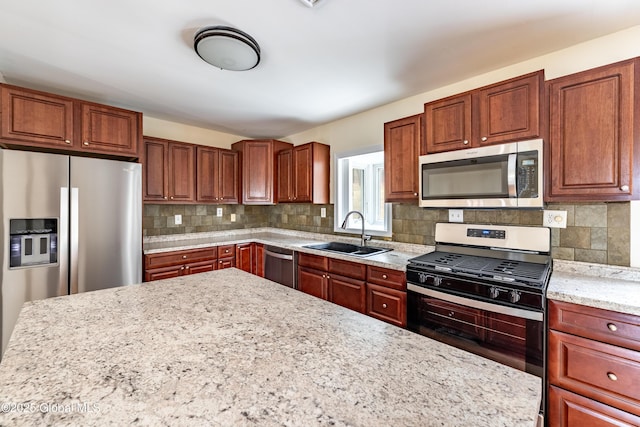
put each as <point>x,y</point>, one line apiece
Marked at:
<point>289,239</point>
<point>595,285</point>
<point>230,348</point>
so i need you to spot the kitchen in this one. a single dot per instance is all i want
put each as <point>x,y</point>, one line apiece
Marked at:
<point>615,244</point>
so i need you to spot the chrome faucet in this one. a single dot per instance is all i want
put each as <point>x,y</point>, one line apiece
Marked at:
<point>363,237</point>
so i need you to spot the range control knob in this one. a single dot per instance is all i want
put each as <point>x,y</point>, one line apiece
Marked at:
<point>494,292</point>
<point>422,277</point>
<point>437,281</point>
<point>514,296</point>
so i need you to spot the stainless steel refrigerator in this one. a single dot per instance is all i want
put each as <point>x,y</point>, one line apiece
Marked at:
<point>69,225</point>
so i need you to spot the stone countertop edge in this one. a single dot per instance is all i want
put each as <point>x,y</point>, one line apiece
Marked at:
<point>595,285</point>
<point>396,259</point>
<point>230,348</point>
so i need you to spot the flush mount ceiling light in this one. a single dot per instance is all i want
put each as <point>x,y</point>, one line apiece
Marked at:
<point>311,3</point>
<point>227,48</point>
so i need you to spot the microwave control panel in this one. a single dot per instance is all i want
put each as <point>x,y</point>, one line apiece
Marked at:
<point>528,174</point>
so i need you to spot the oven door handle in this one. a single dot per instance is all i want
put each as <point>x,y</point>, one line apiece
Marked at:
<point>516,312</point>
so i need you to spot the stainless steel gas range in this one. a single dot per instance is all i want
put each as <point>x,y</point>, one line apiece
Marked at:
<point>483,290</point>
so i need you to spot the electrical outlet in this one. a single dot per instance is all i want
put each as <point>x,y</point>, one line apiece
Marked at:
<point>554,219</point>
<point>323,212</point>
<point>233,217</point>
<point>219,212</point>
<point>456,215</point>
<point>177,219</point>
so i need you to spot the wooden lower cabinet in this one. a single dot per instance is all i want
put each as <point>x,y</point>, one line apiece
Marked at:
<point>313,282</point>
<point>226,257</point>
<point>245,258</point>
<point>593,367</point>
<point>179,263</point>
<point>347,292</point>
<point>569,409</point>
<point>389,305</point>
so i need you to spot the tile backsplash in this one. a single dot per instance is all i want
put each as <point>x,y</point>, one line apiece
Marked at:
<point>597,232</point>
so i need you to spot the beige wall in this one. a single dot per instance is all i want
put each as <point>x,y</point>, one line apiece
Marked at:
<point>186,133</point>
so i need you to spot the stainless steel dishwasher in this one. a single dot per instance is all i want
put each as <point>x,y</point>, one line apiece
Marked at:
<point>280,265</point>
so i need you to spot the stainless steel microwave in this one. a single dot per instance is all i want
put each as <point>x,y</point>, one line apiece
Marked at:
<point>497,176</point>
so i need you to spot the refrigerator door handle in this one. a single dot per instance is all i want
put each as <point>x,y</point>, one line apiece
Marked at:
<point>63,243</point>
<point>73,240</point>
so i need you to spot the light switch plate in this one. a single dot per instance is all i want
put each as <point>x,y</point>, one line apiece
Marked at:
<point>323,212</point>
<point>456,215</point>
<point>554,219</point>
<point>233,217</point>
<point>177,219</point>
<point>219,212</point>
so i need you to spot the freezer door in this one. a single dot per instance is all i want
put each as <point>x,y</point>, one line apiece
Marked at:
<point>32,185</point>
<point>106,224</point>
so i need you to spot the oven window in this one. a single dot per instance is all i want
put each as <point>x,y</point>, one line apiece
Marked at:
<point>507,339</point>
<point>463,178</point>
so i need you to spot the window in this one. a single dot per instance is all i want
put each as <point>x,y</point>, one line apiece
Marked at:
<point>360,187</point>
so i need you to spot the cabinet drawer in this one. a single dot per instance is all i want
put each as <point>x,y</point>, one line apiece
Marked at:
<point>602,325</point>
<point>313,261</point>
<point>178,257</point>
<point>387,304</point>
<point>567,409</point>
<point>227,251</point>
<point>466,321</point>
<point>390,278</point>
<point>599,371</point>
<point>347,268</point>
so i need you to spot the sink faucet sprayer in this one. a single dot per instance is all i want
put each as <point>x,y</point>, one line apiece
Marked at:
<point>363,237</point>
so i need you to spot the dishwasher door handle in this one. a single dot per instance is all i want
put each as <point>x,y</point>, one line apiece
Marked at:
<point>277,255</point>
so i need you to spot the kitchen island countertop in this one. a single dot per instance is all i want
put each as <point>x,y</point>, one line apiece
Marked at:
<point>230,348</point>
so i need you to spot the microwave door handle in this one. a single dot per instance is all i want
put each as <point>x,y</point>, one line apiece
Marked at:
<point>512,174</point>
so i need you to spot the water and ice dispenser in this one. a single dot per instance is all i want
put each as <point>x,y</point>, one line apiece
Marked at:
<point>33,242</point>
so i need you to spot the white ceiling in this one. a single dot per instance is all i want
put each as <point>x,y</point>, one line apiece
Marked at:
<point>318,64</point>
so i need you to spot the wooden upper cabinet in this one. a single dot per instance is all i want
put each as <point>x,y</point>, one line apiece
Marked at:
<point>303,174</point>
<point>402,141</point>
<point>509,110</point>
<point>217,175</point>
<point>505,111</point>
<point>38,119</point>
<point>109,130</point>
<point>169,171</point>
<point>259,170</point>
<point>448,123</point>
<point>593,116</point>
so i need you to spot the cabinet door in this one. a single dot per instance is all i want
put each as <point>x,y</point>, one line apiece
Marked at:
<point>155,170</point>
<point>163,273</point>
<point>257,176</point>
<point>244,257</point>
<point>228,176</point>
<point>110,130</point>
<point>508,111</point>
<point>568,409</point>
<point>199,267</point>
<point>313,282</point>
<point>389,305</point>
<point>32,118</point>
<point>347,292</point>
<point>285,176</point>
<point>226,263</point>
<point>448,123</point>
<point>302,173</point>
<point>401,150</point>
<point>181,172</point>
<point>207,178</point>
<point>259,260</point>
<point>591,134</point>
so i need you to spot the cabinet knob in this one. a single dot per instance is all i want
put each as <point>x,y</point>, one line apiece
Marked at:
<point>184,257</point>
<point>328,277</point>
<point>612,376</point>
<point>85,143</point>
<point>226,251</point>
<point>484,138</point>
<point>384,276</point>
<point>165,197</point>
<point>465,142</point>
<point>181,268</point>
<point>451,313</point>
<point>624,188</point>
<point>612,327</point>
<point>324,275</point>
<point>187,267</point>
<point>415,194</point>
<point>384,305</point>
<point>67,141</point>
<point>171,197</point>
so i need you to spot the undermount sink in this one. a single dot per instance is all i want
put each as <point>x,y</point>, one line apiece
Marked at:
<point>348,249</point>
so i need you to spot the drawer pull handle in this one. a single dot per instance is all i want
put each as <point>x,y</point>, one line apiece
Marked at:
<point>612,327</point>
<point>384,276</point>
<point>384,305</point>
<point>612,376</point>
<point>451,313</point>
